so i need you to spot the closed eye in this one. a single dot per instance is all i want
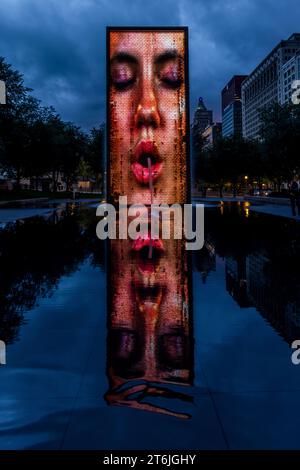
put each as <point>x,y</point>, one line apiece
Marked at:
<point>123,72</point>
<point>171,82</point>
<point>170,74</point>
<point>123,85</point>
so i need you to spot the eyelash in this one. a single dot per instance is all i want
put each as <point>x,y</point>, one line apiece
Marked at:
<point>170,83</point>
<point>124,85</point>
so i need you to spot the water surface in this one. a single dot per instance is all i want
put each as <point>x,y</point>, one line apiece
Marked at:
<point>235,386</point>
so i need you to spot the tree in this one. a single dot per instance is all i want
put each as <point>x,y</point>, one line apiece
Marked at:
<point>96,152</point>
<point>280,137</point>
<point>230,160</point>
<point>29,272</point>
<point>74,149</point>
<point>36,142</point>
<point>38,154</point>
<point>199,154</point>
<point>16,117</point>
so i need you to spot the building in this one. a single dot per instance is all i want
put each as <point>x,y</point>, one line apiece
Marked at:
<point>232,107</point>
<point>277,306</point>
<point>6,184</point>
<point>211,133</point>
<point>236,280</point>
<point>251,284</point>
<point>290,73</point>
<point>43,183</point>
<point>266,84</point>
<point>203,117</point>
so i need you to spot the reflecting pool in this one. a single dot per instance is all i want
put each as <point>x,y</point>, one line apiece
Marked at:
<point>121,346</point>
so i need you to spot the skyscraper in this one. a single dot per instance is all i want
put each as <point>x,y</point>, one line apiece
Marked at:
<point>271,81</point>
<point>211,134</point>
<point>290,74</point>
<point>232,107</point>
<point>202,118</point>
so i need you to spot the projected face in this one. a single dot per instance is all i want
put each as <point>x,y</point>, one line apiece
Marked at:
<point>147,116</point>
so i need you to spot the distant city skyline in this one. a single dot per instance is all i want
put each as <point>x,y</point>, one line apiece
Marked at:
<point>60,46</point>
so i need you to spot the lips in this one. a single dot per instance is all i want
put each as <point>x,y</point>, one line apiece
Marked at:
<point>147,241</point>
<point>145,153</point>
<point>141,247</point>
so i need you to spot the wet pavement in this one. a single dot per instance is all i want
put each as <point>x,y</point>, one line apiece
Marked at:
<point>15,210</point>
<point>273,209</point>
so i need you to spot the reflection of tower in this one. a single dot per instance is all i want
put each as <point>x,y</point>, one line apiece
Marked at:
<point>149,325</point>
<point>236,280</point>
<point>205,260</point>
<point>274,304</point>
<point>292,316</point>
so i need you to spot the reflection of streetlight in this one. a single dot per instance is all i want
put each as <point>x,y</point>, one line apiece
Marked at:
<point>222,207</point>
<point>246,206</point>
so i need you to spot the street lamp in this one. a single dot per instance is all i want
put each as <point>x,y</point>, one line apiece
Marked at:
<point>246,180</point>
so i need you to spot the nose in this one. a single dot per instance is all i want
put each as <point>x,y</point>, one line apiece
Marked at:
<point>147,113</point>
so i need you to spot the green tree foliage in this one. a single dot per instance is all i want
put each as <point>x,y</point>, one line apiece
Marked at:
<point>274,156</point>
<point>229,161</point>
<point>198,146</point>
<point>280,135</point>
<point>96,151</point>
<point>36,142</point>
<point>16,117</point>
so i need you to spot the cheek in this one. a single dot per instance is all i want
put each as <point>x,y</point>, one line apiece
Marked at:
<point>169,106</point>
<point>123,115</point>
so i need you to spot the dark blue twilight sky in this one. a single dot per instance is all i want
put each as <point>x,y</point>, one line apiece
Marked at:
<point>59,45</point>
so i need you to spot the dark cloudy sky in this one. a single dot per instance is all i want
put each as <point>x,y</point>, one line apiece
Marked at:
<point>59,45</point>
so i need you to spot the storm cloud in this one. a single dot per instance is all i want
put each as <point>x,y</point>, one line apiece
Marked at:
<point>59,46</point>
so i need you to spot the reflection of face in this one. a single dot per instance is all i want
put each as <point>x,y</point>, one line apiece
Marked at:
<point>149,310</point>
<point>147,115</point>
